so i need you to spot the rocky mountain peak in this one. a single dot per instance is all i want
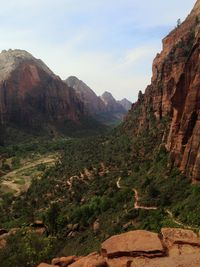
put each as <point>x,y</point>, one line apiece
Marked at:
<point>125,103</point>
<point>79,85</point>
<point>107,98</point>
<point>72,81</point>
<point>11,59</point>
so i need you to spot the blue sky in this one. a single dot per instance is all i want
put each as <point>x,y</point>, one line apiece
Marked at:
<point>109,44</point>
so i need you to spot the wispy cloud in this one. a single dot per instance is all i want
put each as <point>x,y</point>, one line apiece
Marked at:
<point>108,44</point>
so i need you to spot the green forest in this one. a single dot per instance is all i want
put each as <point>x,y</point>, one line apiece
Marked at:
<point>93,179</point>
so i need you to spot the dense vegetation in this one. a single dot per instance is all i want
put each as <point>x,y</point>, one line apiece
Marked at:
<point>95,165</point>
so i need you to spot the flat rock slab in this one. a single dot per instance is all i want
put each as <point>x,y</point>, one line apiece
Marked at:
<point>173,236</point>
<point>134,243</point>
<point>178,261</point>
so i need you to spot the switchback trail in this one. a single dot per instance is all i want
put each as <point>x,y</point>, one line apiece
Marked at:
<point>137,206</point>
<point>136,196</point>
<point>178,222</point>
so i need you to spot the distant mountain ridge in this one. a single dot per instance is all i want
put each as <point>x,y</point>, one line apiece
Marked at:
<point>31,93</point>
<point>105,105</point>
<point>93,104</point>
<point>32,97</point>
<point>125,103</point>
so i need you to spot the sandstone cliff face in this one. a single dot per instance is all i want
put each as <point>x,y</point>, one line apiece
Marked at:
<point>31,95</point>
<point>174,94</point>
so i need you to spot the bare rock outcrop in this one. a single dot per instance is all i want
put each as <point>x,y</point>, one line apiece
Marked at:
<point>142,243</point>
<point>92,260</point>
<point>64,261</point>
<point>172,247</point>
<point>46,265</point>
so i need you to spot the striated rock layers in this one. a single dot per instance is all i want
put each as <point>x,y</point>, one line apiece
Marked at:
<point>174,94</point>
<point>31,95</point>
<point>172,247</point>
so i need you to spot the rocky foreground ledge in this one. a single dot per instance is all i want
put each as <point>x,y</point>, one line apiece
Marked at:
<point>173,247</point>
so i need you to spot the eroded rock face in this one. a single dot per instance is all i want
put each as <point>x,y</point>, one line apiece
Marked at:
<point>174,94</point>
<point>31,95</point>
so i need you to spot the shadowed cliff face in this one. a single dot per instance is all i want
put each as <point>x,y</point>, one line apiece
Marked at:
<point>92,103</point>
<point>95,105</point>
<point>175,94</point>
<point>31,95</point>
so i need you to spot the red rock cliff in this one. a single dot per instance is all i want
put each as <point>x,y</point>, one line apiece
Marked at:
<point>31,95</point>
<point>175,93</point>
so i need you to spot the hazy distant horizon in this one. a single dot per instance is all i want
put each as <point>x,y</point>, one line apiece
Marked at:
<point>108,45</point>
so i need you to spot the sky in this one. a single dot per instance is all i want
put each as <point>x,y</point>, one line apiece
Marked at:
<point>109,44</point>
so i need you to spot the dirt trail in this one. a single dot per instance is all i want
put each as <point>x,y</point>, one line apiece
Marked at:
<point>137,206</point>
<point>118,183</point>
<point>16,181</point>
<point>177,221</point>
<point>136,196</point>
<point>27,166</point>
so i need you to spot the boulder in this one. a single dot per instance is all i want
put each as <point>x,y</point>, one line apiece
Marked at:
<point>120,262</point>
<point>55,261</point>
<point>177,261</point>
<point>37,224</point>
<point>173,236</point>
<point>46,265</point>
<point>96,226</point>
<point>64,261</point>
<point>133,243</point>
<point>92,260</point>
<point>3,231</point>
<point>73,227</point>
<point>2,243</point>
<point>40,231</point>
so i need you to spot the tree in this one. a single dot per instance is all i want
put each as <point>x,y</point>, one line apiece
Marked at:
<point>178,23</point>
<point>51,218</point>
